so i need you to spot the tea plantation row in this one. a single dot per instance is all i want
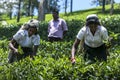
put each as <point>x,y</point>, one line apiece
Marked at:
<point>53,59</point>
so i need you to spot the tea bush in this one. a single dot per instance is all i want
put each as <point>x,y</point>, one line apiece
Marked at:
<point>53,59</point>
<point>52,63</point>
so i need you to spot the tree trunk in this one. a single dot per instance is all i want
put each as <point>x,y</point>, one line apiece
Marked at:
<point>103,8</point>
<point>65,7</point>
<point>41,12</point>
<point>29,4</point>
<point>71,6</point>
<point>10,15</point>
<point>112,7</point>
<point>18,16</point>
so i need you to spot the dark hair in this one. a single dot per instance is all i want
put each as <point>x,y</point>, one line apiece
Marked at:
<point>55,11</point>
<point>32,25</point>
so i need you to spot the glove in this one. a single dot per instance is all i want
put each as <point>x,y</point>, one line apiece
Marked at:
<point>73,60</point>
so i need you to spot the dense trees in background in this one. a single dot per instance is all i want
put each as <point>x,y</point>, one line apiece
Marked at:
<point>27,7</point>
<point>7,6</point>
<point>100,2</point>
<point>19,7</point>
<point>103,3</point>
<point>46,6</point>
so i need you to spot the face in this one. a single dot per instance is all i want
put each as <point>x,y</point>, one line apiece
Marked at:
<point>32,31</point>
<point>55,15</point>
<point>93,26</point>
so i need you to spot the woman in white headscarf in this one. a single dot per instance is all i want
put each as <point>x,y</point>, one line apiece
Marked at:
<point>94,35</point>
<point>28,39</point>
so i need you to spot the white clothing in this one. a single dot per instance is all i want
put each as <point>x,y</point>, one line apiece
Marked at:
<point>24,40</point>
<point>56,28</point>
<point>93,41</point>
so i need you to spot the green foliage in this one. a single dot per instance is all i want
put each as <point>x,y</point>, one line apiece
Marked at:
<point>52,63</point>
<point>53,59</point>
<point>6,32</point>
<point>112,23</point>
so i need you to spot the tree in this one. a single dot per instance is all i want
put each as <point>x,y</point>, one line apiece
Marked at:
<point>66,6</point>
<point>103,6</point>
<point>19,7</point>
<point>112,7</point>
<point>54,5</point>
<point>100,2</point>
<point>7,7</point>
<point>46,6</point>
<point>29,6</point>
<point>71,6</point>
<point>41,12</point>
<point>103,3</point>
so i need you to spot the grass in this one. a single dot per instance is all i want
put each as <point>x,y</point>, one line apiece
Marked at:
<point>81,14</point>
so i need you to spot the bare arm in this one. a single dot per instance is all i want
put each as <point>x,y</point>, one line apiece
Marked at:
<point>74,48</point>
<point>35,48</point>
<point>13,45</point>
<point>64,33</point>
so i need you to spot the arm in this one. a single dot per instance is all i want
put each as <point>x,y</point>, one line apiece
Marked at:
<point>35,48</point>
<point>74,49</point>
<point>13,46</point>
<point>36,43</point>
<point>48,30</point>
<point>65,28</point>
<point>106,39</point>
<point>64,32</point>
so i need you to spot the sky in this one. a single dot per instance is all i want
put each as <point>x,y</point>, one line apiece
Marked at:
<point>82,5</point>
<point>79,5</point>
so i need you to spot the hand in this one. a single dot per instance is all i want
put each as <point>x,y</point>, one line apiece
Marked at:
<point>73,60</point>
<point>32,57</point>
<point>16,51</point>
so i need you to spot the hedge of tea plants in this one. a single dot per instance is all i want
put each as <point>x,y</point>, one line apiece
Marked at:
<point>53,59</point>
